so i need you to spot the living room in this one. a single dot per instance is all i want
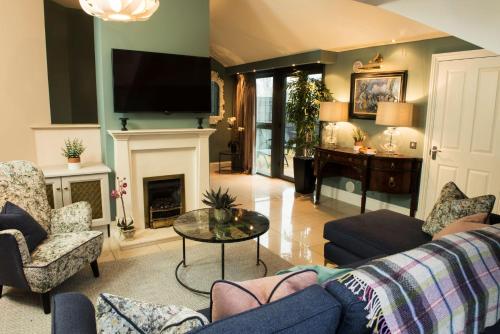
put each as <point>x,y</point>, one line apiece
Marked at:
<point>260,166</point>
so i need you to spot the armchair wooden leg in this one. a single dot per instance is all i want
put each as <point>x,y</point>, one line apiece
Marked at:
<point>46,302</point>
<point>95,268</point>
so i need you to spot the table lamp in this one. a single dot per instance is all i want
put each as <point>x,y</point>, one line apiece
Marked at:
<point>333,112</point>
<point>393,114</point>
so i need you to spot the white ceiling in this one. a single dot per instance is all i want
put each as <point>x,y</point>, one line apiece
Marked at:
<point>244,31</point>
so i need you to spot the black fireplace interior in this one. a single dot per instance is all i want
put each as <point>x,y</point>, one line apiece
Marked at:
<point>164,200</point>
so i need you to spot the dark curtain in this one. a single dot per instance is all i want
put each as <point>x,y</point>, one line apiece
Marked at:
<point>244,110</point>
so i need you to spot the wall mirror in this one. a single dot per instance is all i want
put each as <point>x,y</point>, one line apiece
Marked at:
<point>217,106</point>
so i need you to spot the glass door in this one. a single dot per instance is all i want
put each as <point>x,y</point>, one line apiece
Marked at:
<point>289,132</point>
<point>263,125</point>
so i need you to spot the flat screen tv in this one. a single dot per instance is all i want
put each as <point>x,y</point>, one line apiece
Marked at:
<point>159,82</point>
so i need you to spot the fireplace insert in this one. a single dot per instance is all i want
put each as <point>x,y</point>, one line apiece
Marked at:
<point>163,200</point>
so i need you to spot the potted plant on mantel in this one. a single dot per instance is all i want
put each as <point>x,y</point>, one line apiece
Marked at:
<point>125,224</point>
<point>72,150</point>
<point>302,109</point>
<point>222,203</point>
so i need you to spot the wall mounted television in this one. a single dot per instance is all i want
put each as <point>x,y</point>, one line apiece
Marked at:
<point>159,82</point>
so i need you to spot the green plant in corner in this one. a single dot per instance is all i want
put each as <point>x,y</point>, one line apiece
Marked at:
<point>219,200</point>
<point>302,109</point>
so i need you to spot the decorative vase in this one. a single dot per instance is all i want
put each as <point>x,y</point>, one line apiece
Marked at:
<point>222,215</point>
<point>74,163</point>
<point>357,146</point>
<point>128,234</point>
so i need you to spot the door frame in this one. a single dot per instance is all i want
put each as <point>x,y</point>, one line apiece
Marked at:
<point>431,110</point>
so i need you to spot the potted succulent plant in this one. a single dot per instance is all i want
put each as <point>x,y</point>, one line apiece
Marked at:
<point>302,110</point>
<point>221,203</point>
<point>124,223</point>
<point>359,136</point>
<point>72,150</point>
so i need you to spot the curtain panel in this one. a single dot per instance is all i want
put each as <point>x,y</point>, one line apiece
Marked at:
<point>244,110</point>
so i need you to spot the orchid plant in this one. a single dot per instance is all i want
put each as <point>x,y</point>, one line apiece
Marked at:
<point>123,223</point>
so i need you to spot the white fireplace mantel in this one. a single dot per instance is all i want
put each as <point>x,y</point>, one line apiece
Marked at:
<point>159,152</point>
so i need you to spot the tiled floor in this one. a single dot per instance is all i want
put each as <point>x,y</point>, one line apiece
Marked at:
<point>296,232</point>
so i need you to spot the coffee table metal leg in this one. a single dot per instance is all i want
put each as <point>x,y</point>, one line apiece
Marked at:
<point>258,250</point>
<point>222,259</point>
<point>184,252</point>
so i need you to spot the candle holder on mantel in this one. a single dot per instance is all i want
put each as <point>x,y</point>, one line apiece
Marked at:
<point>124,123</point>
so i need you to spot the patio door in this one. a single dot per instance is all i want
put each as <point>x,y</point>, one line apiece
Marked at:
<point>264,125</point>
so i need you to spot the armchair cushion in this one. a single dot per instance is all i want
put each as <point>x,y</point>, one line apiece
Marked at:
<point>23,184</point>
<point>76,217</point>
<point>13,217</point>
<point>60,257</point>
<point>21,244</point>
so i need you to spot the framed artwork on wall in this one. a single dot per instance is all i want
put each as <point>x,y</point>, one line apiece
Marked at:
<point>369,88</point>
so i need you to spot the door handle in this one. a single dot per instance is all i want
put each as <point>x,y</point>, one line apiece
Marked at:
<point>433,152</point>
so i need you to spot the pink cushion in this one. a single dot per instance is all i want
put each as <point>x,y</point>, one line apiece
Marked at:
<point>230,298</point>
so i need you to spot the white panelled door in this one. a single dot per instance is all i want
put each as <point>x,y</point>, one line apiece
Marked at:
<point>463,127</point>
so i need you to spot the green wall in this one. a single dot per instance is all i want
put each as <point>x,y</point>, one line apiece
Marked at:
<point>416,57</point>
<point>180,27</point>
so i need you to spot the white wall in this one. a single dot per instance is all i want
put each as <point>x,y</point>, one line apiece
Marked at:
<point>471,20</point>
<point>50,139</point>
<point>24,93</point>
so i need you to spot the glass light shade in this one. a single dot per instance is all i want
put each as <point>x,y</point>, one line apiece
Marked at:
<point>334,111</point>
<point>394,114</point>
<point>120,10</point>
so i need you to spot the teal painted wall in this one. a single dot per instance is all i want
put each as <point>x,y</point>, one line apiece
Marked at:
<point>179,27</point>
<point>416,57</point>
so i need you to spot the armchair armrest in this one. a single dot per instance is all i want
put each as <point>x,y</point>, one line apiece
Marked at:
<point>76,217</point>
<point>21,244</point>
<point>72,313</point>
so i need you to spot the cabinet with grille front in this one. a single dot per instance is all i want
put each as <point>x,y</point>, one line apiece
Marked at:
<point>89,184</point>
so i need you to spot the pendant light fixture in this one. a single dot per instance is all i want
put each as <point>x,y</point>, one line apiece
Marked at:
<point>120,10</point>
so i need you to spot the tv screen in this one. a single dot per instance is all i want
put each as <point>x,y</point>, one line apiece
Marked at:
<point>159,82</point>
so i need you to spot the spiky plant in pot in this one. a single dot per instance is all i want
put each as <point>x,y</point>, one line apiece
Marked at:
<point>221,202</point>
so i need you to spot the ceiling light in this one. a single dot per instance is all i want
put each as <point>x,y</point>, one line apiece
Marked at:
<point>393,40</point>
<point>120,10</point>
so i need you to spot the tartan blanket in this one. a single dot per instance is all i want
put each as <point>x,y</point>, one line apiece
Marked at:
<point>451,285</point>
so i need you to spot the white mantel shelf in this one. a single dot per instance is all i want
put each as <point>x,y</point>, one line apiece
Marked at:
<point>86,169</point>
<point>124,135</point>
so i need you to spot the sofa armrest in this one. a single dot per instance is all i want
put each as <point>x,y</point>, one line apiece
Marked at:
<point>76,217</point>
<point>20,242</point>
<point>72,313</point>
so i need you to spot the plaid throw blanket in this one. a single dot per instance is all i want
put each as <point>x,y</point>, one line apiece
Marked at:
<point>451,285</point>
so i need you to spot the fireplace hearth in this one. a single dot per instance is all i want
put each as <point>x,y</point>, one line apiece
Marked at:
<point>163,200</point>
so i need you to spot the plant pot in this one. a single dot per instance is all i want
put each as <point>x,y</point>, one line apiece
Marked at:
<point>303,171</point>
<point>74,163</point>
<point>222,215</point>
<point>128,234</point>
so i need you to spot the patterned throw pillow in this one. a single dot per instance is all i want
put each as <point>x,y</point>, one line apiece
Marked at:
<point>123,315</point>
<point>453,204</point>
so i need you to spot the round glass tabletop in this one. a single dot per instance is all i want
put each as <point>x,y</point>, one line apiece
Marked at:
<point>221,226</point>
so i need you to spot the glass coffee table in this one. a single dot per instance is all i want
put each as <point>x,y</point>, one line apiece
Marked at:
<point>220,227</point>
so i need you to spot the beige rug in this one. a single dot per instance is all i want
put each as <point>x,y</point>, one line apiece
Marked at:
<point>149,278</point>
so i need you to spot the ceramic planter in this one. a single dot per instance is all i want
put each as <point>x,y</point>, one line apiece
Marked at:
<point>303,171</point>
<point>222,215</point>
<point>128,234</point>
<point>74,163</point>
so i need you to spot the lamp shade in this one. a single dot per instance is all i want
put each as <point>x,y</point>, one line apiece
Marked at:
<point>334,111</point>
<point>120,10</point>
<point>394,114</point>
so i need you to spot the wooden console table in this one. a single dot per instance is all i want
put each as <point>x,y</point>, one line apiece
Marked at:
<point>393,174</point>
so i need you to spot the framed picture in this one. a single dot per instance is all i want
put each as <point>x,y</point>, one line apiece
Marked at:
<point>369,88</point>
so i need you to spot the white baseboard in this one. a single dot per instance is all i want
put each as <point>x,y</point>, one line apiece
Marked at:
<point>355,199</point>
<point>214,166</point>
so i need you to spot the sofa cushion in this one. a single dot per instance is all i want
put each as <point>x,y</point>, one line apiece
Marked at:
<point>353,319</point>
<point>124,315</point>
<point>376,233</point>
<point>312,310</point>
<point>469,223</point>
<point>61,256</point>
<point>229,298</point>
<point>13,217</point>
<point>453,204</point>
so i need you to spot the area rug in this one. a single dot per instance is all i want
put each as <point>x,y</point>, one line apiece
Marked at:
<point>149,278</point>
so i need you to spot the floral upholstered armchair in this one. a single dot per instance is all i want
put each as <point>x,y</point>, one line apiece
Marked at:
<point>70,244</point>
